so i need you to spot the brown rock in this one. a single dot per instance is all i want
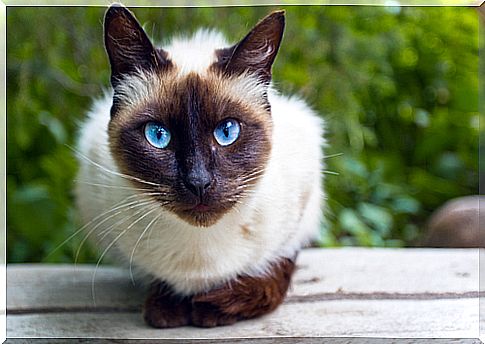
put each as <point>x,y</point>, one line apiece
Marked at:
<point>458,223</point>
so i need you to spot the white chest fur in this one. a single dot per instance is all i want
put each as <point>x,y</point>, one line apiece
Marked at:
<point>282,214</point>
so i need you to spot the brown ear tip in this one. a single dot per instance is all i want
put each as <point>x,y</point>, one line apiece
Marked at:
<point>115,8</point>
<point>116,11</point>
<point>279,14</point>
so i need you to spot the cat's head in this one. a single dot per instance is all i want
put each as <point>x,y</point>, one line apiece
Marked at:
<point>199,138</point>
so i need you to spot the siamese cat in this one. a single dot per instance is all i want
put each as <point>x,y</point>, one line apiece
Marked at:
<point>198,174</point>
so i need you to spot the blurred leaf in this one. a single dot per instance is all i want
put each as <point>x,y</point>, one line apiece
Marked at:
<point>377,217</point>
<point>351,222</point>
<point>405,204</point>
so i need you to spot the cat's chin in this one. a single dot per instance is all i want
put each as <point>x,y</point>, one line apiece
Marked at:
<point>201,215</point>
<point>200,219</point>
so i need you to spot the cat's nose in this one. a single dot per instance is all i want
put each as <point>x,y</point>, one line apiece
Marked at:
<point>198,181</point>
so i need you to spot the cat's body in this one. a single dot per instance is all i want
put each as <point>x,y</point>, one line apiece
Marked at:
<point>278,212</point>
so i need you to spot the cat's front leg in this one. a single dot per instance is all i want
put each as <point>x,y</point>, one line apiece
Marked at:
<point>243,298</point>
<point>164,309</point>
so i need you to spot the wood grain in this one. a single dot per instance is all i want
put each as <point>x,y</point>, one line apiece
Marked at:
<point>349,293</point>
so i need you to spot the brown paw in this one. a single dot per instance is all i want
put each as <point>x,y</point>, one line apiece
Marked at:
<point>209,315</point>
<point>243,298</point>
<point>163,310</point>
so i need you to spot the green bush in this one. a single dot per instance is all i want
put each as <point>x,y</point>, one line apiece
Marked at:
<point>398,87</point>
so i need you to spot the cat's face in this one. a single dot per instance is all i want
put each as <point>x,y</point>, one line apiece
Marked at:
<point>197,142</point>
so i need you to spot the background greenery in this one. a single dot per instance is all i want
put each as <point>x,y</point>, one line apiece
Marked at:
<point>398,87</point>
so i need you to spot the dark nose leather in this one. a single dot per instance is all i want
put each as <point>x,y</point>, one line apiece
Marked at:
<point>198,180</point>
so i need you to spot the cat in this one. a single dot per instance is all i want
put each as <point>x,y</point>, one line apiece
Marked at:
<point>198,174</point>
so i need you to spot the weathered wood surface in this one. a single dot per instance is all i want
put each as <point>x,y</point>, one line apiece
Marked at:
<point>346,293</point>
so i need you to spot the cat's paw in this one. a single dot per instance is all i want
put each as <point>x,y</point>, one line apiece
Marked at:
<point>206,314</point>
<point>160,317</point>
<point>246,297</point>
<point>162,310</point>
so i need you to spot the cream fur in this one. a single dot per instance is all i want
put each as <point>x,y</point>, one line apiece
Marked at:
<point>193,259</point>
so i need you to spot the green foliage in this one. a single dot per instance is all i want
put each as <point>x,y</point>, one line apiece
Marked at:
<point>399,90</point>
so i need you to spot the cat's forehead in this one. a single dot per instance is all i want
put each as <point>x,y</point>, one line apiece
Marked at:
<point>173,90</point>
<point>195,54</point>
<point>191,75</point>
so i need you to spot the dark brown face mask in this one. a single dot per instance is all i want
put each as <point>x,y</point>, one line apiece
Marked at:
<point>201,150</point>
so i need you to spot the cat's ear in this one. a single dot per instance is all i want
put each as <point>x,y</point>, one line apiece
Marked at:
<point>127,44</point>
<point>257,51</point>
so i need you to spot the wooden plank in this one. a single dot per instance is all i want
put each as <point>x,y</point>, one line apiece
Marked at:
<point>322,274</point>
<point>383,318</point>
<point>369,270</point>
<point>38,286</point>
<point>346,293</point>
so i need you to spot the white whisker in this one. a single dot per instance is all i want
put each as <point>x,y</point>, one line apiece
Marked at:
<point>253,173</point>
<point>143,206</point>
<point>93,293</point>
<point>333,155</point>
<point>138,241</point>
<point>103,168</point>
<point>114,208</point>
<point>99,261</point>
<point>112,186</point>
<point>129,206</point>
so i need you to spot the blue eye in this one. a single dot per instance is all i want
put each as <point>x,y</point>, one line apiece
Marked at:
<point>157,135</point>
<point>227,132</point>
